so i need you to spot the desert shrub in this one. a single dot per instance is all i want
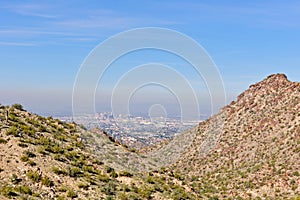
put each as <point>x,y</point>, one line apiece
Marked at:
<point>43,141</point>
<point>42,128</point>
<point>109,188</point>
<point>28,130</point>
<point>79,145</point>
<point>113,174</point>
<point>14,179</point>
<point>12,131</point>
<point>62,188</point>
<point>145,192</point>
<point>125,173</point>
<point>31,162</point>
<point>54,149</point>
<point>7,191</point>
<point>18,106</point>
<point>72,155</point>
<point>47,182</point>
<point>89,169</point>
<point>34,176</point>
<point>13,117</point>
<point>24,189</point>
<point>24,158</point>
<point>150,180</point>
<point>71,193</point>
<point>42,150</point>
<point>60,137</point>
<point>29,154</point>
<point>84,186</point>
<point>109,169</point>
<point>58,171</point>
<point>103,177</point>
<point>59,157</point>
<point>3,141</point>
<point>74,172</point>
<point>60,198</point>
<point>296,173</point>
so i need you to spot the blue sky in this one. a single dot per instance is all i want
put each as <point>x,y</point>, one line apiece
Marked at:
<point>43,43</point>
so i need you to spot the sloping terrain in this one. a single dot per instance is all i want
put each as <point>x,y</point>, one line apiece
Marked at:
<point>44,158</point>
<point>250,150</point>
<point>257,153</point>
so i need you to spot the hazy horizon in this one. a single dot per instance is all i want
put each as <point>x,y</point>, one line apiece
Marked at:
<point>43,45</point>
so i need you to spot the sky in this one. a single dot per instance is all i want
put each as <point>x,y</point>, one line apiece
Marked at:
<point>44,43</point>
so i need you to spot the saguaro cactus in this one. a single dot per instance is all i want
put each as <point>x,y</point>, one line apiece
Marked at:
<point>6,115</point>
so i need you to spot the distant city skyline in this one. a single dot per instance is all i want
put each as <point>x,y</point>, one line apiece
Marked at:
<point>43,44</point>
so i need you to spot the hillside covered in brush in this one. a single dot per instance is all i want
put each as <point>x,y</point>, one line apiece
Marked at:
<point>257,153</point>
<point>249,150</point>
<point>45,158</point>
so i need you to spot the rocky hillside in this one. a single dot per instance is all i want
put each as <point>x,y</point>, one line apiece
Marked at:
<point>250,150</point>
<point>255,145</point>
<point>44,158</point>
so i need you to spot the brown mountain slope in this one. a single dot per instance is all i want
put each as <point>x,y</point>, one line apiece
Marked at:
<point>250,150</point>
<point>45,158</point>
<point>255,144</point>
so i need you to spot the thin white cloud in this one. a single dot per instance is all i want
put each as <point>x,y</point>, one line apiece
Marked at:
<point>16,44</point>
<point>35,10</point>
<point>35,32</point>
<point>98,22</point>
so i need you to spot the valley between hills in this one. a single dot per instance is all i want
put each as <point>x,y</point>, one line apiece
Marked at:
<point>249,150</point>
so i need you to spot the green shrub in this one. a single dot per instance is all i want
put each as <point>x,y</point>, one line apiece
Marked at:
<point>24,189</point>
<point>34,176</point>
<point>109,169</point>
<point>150,180</point>
<point>109,188</point>
<point>84,186</point>
<point>58,171</point>
<point>29,154</point>
<point>145,192</point>
<point>42,128</point>
<point>12,131</point>
<point>113,174</point>
<point>72,155</point>
<point>62,189</point>
<point>44,141</point>
<point>31,162</point>
<point>54,149</point>
<point>59,157</point>
<point>89,169</point>
<point>60,198</point>
<point>18,106</point>
<point>14,179</point>
<point>296,173</point>
<point>71,193</point>
<point>47,182</point>
<point>125,173</point>
<point>7,191</point>
<point>42,150</point>
<point>103,178</point>
<point>24,158</point>
<point>3,141</point>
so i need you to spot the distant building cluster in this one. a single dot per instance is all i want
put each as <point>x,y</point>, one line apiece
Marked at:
<point>135,131</point>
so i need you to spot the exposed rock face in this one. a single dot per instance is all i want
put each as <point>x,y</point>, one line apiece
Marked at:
<point>258,150</point>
